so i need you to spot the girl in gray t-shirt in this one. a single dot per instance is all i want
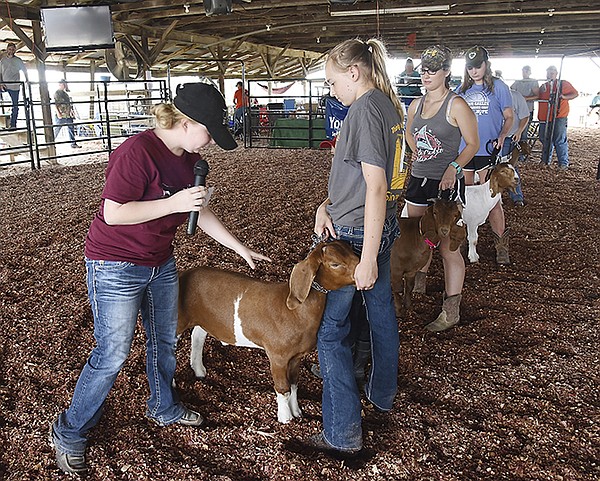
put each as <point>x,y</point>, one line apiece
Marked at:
<point>357,210</point>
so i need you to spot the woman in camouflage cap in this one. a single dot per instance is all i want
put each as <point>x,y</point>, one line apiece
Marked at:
<point>436,124</point>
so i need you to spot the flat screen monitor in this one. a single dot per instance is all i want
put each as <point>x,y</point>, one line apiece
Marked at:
<point>77,28</point>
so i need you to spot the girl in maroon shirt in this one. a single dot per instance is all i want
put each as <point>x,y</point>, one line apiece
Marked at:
<point>130,265</point>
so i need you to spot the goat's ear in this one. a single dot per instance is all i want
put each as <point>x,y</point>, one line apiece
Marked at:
<point>301,279</point>
<point>525,148</point>
<point>458,234</point>
<point>494,189</point>
<point>428,225</point>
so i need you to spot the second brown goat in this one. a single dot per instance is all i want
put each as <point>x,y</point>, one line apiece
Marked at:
<point>418,236</point>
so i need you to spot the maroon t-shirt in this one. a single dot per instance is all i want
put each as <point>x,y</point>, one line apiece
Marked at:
<point>142,168</point>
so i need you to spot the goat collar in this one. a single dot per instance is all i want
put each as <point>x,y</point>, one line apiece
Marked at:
<point>315,285</point>
<point>430,244</point>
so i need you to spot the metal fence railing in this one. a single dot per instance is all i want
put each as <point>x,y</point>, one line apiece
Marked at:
<point>275,119</point>
<point>105,113</point>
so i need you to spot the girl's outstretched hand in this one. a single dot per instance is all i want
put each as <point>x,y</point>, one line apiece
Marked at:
<point>250,255</point>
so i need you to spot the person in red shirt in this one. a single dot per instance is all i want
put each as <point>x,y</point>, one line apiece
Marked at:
<point>553,111</point>
<point>241,102</point>
<point>130,266</point>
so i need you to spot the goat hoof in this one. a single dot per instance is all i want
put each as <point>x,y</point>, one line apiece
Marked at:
<point>285,419</point>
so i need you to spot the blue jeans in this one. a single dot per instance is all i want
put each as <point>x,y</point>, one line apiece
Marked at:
<point>117,292</point>
<point>558,142</point>
<point>507,148</point>
<point>14,97</point>
<point>68,121</point>
<point>239,118</point>
<point>341,398</point>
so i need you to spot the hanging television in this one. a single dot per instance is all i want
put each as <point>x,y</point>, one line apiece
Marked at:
<point>80,28</point>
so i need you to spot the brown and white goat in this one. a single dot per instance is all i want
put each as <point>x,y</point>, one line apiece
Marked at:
<point>281,318</point>
<point>418,236</point>
<point>481,199</point>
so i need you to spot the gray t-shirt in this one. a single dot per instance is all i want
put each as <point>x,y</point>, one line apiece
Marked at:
<point>525,88</point>
<point>520,109</point>
<point>9,72</point>
<point>371,133</point>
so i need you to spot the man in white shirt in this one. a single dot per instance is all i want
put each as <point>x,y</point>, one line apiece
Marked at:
<point>10,68</point>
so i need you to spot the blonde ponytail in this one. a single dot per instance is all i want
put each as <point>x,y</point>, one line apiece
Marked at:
<point>370,56</point>
<point>379,73</point>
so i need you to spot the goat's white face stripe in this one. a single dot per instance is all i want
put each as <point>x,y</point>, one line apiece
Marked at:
<point>240,339</point>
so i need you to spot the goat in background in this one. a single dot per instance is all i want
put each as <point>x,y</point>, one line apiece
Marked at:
<point>281,318</point>
<point>481,198</point>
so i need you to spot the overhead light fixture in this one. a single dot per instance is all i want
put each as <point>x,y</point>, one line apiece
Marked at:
<point>390,11</point>
<point>217,7</point>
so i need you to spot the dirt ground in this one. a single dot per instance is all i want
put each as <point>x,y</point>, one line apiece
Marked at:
<point>511,393</point>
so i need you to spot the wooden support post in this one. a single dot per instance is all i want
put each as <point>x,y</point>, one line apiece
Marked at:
<point>44,93</point>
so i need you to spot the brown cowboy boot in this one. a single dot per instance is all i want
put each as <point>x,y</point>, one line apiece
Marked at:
<point>449,316</point>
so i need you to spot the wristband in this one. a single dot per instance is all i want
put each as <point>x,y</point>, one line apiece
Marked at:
<point>456,166</point>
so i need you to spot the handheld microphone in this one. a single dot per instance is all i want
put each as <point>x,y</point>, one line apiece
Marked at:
<point>200,171</point>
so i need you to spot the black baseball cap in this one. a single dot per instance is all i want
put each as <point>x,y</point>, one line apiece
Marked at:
<point>475,56</point>
<point>203,103</point>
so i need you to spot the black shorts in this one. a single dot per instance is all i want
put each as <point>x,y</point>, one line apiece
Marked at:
<point>421,191</point>
<point>479,162</point>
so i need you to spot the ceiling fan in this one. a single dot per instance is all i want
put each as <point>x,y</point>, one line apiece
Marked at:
<point>123,62</point>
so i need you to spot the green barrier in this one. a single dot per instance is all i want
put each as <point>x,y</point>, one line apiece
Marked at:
<point>291,132</point>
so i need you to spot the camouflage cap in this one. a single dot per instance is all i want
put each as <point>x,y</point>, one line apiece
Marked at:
<point>436,57</point>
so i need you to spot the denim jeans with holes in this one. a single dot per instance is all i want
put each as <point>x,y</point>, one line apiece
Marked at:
<point>118,291</point>
<point>341,399</point>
